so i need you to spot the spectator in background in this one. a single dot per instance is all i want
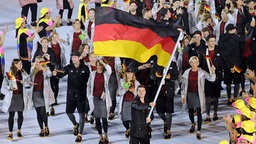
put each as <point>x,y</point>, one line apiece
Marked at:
<point>65,4</point>
<point>133,8</point>
<point>47,22</point>
<point>57,45</point>
<point>24,43</point>
<point>26,5</point>
<point>2,37</point>
<point>76,36</point>
<point>226,19</point>
<point>89,28</point>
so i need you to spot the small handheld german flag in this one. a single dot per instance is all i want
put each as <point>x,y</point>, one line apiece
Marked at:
<point>10,76</point>
<point>237,69</point>
<point>159,75</point>
<point>217,16</point>
<point>207,8</point>
<point>44,62</point>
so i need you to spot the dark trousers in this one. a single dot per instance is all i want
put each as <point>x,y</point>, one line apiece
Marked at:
<point>42,117</point>
<point>215,101</point>
<point>199,117</point>
<point>99,126</point>
<point>33,9</point>
<point>70,11</point>
<point>26,65</point>
<point>11,120</point>
<point>55,86</point>
<point>139,140</point>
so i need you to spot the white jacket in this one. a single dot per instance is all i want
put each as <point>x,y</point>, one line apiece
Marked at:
<point>90,87</point>
<point>202,75</point>
<point>122,92</point>
<point>89,40</point>
<point>6,90</point>
<point>47,92</point>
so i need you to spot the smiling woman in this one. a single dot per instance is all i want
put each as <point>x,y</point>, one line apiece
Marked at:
<point>192,92</point>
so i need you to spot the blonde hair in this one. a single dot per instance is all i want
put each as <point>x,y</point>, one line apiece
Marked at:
<point>193,58</point>
<point>52,35</point>
<point>44,38</point>
<point>34,68</point>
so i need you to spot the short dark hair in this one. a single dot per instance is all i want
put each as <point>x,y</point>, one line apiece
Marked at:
<point>141,86</point>
<point>145,10</point>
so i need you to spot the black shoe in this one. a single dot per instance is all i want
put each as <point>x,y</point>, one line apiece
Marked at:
<point>86,119</point>
<point>230,101</point>
<point>192,128</point>
<point>33,24</point>
<point>241,92</point>
<point>69,23</point>
<point>56,103</point>
<point>101,140</point>
<point>10,136</point>
<point>19,133</point>
<point>46,131</point>
<point>106,141</point>
<point>168,134</point>
<point>198,135</point>
<point>127,133</point>
<point>207,120</point>
<point>179,91</point>
<point>41,134</point>
<point>111,116</point>
<point>75,129</point>
<point>215,117</point>
<point>79,138</point>
<point>52,111</point>
<point>91,119</point>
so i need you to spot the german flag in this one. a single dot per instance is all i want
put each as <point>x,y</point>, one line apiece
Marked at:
<point>207,8</point>
<point>43,63</point>
<point>237,69</point>
<point>10,76</point>
<point>120,34</point>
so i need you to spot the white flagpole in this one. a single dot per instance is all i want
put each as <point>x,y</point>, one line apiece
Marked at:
<point>165,72</point>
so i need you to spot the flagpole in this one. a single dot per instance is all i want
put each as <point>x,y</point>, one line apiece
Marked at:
<point>165,73</point>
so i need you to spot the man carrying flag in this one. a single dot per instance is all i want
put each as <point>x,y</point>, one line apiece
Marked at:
<point>121,34</point>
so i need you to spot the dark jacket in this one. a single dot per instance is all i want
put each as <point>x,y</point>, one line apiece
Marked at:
<point>231,45</point>
<point>218,61</point>
<point>139,111</point>
<point>77,81</point>
<point>194,50</point>
<point>213,88</point>
<point>165,100</point>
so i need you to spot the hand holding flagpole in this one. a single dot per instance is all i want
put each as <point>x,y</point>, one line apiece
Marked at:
<point>165,73</point>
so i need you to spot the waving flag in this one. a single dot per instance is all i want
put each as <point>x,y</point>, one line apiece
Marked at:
<point>118,33</point>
